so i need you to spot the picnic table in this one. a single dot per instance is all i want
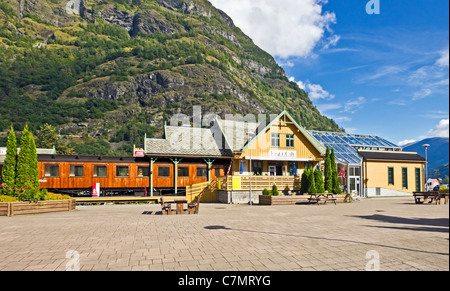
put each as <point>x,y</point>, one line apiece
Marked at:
<point>317,198</point>
<point>424,197</point>
<point>166,206</point>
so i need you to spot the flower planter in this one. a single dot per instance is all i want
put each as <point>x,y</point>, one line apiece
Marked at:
<point>20,208</point>
<point>290,200</point>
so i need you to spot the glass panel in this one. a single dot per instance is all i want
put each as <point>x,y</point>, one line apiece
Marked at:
<point>143,172</point>
<point>183,172</point>
<point>100,171</point>
<point>122,171</point>
<point>202,172</point>
<point>51,171</point>
<point>76,171</point>
<point>164,172</point>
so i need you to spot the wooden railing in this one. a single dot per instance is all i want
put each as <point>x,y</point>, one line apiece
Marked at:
<point>206,190</point>
<point>259,183</point>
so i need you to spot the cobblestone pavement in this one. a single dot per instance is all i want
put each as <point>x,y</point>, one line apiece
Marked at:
<point>404,236</point>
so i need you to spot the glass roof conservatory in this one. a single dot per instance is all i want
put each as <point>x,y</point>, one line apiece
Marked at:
<point>346,145</point>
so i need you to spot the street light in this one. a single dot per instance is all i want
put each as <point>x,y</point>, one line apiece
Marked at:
<point>426,146</point>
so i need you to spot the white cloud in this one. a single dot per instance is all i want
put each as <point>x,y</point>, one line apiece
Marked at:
<point>328,106</point>
<point>443,61</point>
<point>315,91</point>
<point>424,93</point>
<point>405,142</point>
<point>354,105</point>
<point>441,130</point>
<point>284,28</point>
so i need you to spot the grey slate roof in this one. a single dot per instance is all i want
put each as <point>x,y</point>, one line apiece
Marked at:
<point>188,141</point>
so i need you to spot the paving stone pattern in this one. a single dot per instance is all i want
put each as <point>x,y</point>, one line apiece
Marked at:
<point>405,236</point>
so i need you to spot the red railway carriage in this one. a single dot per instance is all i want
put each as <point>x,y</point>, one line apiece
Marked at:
<point>76,174</point>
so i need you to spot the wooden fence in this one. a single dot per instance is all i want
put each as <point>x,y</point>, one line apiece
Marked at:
<point>259,183</point>
<point>19,208</point>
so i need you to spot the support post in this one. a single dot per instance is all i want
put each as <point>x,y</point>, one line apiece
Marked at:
<point>209,162</point>
<point>176,162</point>
<point>152,162</point>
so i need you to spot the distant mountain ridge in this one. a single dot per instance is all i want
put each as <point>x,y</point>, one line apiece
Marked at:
<point>438,153</point>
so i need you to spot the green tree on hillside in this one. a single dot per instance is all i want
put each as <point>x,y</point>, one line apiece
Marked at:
<point>9,169</point>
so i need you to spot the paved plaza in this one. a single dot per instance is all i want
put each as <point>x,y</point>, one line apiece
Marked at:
<point>395,232</point>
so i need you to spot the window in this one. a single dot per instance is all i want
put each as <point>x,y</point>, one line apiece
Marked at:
<point>51,171</point>
<point>183,172</point>
<point>275,140</point>
<point>163,172</point>
<point>100,171</point>
<point>290,141</point>
<point>257,168</point>
<point>122,171</point>
<point>418,180</point>
<point>202,172</point>
<point>405,178</point>
<point>143,172</point>
<point>218,172</point>
<point>390,176</point>
<point>76,171</point>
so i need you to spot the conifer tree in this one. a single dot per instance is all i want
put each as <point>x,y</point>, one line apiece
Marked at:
<point>27,165</point>
<point>312,184</point>
<point>9,169</point>
<point>328,172</point>
<point>318,179</point>
<point>336,187</point>
<point>304,183</point>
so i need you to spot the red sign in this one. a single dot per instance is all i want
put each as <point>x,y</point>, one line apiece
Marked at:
<point>139,153</point>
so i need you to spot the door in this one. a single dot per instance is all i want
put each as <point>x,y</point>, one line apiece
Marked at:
<point>272,170</point>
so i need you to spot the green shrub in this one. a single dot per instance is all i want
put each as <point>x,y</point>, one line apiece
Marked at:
<point>4,198</point>
<point>266,192</point>
<point>275,190</point>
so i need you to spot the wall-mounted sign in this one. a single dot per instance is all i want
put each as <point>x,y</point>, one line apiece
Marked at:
<point>282,154</point>
<point>139,153</point>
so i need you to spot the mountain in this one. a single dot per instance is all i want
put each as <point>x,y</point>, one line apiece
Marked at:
<point>438,154</point>
<point>112,70</point>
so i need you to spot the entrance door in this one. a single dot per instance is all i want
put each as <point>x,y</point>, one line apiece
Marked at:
<point>354,184</point>
<point>272,170</point>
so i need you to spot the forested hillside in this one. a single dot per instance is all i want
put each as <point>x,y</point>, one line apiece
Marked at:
<point>112,70</point>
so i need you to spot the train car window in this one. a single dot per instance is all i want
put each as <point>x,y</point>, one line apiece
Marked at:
<point>100,171</point>
<point>163,172</point>
<point>76,171</point>
<point>143,172</point>
<point>183,172</point>
<point>202,172</point>
<point>51,171</point>
<point>122,171</point>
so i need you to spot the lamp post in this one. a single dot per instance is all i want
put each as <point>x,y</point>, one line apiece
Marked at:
<point>426,146</point>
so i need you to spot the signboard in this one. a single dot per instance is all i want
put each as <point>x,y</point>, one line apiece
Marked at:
<point>96,190</point>
<point>282,154</point>
<point>139,153</point>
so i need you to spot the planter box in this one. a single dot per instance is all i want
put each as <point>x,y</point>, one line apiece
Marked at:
<point>290,200</point>
<point>19,208</point>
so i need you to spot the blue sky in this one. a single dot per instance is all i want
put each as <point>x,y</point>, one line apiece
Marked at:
<point>385,74</point>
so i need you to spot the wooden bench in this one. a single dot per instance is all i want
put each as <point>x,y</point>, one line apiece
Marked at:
<point>166,207</point>
<point>194,206</point>
<point>317,198</point>
<point>418,196</point>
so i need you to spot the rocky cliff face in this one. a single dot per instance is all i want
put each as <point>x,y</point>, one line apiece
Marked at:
<point>153,58</point>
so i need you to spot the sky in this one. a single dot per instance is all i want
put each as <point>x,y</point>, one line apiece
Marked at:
<point>378,67</point>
